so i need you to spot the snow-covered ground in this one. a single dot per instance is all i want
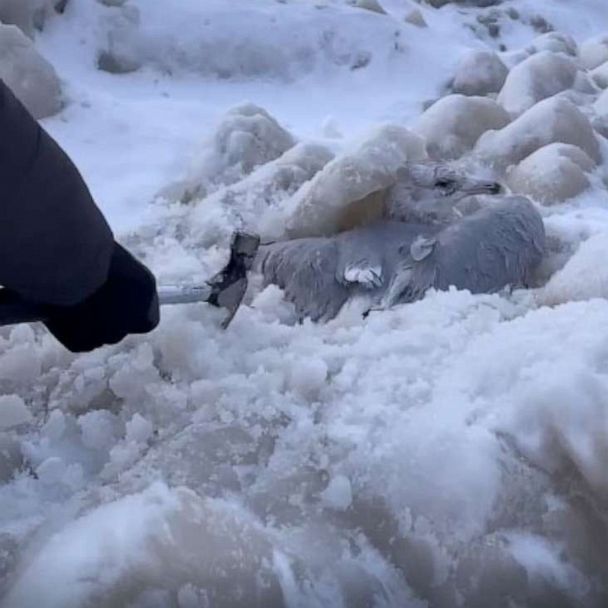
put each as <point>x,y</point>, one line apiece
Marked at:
<point>451,452</point>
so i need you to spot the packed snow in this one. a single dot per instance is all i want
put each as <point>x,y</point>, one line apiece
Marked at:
<point>450,452</point>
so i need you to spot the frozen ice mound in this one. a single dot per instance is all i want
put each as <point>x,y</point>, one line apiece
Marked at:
<point>555,42</point>
<point>599,75</point>
<point>157,534</point>
<point>549,121</point>
<point>540,76</point>
<point>28,15</point>
<point>340,189</point>
<point>206,39</point>
<point>29,75</point>
<point>452,125</point>
<point>601,105</point>
<point>552,174</point>
<point>582,278</point>
<point>593,52</point>
<point>258,202</point>
<point>246,137</point>
<point>479,72</point>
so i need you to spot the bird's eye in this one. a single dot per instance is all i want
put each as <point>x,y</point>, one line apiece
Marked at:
<point>444,183</point>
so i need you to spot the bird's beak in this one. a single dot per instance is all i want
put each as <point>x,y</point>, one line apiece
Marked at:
<point>483,188</point>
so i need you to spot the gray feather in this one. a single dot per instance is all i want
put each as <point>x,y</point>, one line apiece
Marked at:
<point>498,246</point>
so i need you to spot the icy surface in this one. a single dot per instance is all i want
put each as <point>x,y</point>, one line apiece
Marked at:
<point>447,453</point>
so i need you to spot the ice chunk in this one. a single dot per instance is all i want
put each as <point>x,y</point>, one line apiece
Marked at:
<point>555,42</point>
<point>117,56</point>
<point>583,277</point>
<point>139,430</point>
<point>540,76</point>
<point>321,204</point>
<point>338,494</point>
<point>415,17</point>
<point>593,52</point>
<point>601,105</point>
<point>370,5</point>
<point>27,15</point>
<point>98,429</point>
<point>257,202</point>
<point>115,553</point>
<point>479,72</point>
<point>600,75</point>
<point>11,460</point>
<point>452,125</point>
<point>308,377</point>
<point>13,411</point>
<point>246,137</point>
<point>552,174</point>
<point>31,77</point>
<point>549,121</point>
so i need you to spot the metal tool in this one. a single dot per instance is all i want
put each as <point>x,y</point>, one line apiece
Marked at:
<point>225,290</point>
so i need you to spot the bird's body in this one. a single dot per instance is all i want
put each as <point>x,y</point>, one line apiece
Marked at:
<point>320,274</point>
<point>393,262</point>
<point>498,246</point>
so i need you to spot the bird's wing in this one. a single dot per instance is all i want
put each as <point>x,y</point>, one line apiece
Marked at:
<point>497,246</point>
<point>306,271</point>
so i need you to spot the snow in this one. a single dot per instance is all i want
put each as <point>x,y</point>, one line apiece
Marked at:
<point>13,411</point>
<point>582,278</point>
<point>446,453</point>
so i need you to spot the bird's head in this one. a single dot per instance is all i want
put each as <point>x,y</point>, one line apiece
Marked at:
<point>431,192</point>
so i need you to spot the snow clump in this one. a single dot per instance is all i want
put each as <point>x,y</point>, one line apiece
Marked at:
<point>204,38</point>
<point>582,278</point>
<point>13,412</point>
<point>593,52</point>
<point>549,121</point>
<point>452,125</point>
<point>552,174</point>
<point>479,72</point>
<point>29,75</point>
<point>246,137</point>
<point>601,105</point>
<point>28,15</point>
<point>599,75</point>
<point>257,202</point>
<point>555,42</point>
<point>540,76</point>
<point>324,204</point>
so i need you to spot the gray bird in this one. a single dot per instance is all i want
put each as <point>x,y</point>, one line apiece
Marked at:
<point>426,242</point>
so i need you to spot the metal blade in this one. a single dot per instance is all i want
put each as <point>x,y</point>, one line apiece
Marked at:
<point>228,286</point>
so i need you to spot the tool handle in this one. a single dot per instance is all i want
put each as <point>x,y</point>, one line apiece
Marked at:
<point>14,310</point>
